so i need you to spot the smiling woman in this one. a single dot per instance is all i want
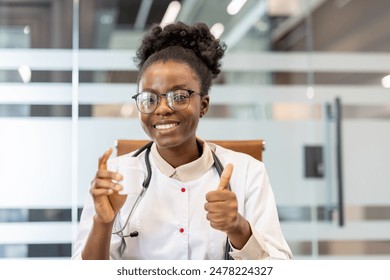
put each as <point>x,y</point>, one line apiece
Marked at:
<point>197,212</point>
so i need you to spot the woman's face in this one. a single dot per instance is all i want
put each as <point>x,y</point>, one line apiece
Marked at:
<point>168,128</point>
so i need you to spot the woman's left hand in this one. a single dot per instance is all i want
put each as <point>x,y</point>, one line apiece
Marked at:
<point>222,211</point>
<point>222,206</point>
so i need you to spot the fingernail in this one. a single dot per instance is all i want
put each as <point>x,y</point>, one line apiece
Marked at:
<point>118,177</point>
<point>110,191</point>
<point>118,187</point>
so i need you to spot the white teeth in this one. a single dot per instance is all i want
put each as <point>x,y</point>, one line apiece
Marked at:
<point>165,126</point>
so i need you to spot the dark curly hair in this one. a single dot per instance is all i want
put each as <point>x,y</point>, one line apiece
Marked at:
<point>193,45</point>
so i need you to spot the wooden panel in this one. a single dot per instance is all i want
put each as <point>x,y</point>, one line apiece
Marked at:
<point>251,147</point>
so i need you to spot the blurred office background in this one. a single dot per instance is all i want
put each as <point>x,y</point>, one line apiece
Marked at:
<point>307,76</point>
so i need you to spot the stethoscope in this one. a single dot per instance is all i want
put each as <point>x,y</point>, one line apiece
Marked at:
<point>218,165</point>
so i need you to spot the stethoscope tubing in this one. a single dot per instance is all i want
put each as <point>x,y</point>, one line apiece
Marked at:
<point>218,165</point>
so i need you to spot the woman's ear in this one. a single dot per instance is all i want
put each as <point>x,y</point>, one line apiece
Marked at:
<point>204,105</point>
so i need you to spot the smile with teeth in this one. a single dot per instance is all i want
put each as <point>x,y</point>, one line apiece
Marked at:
<point>165,126</point>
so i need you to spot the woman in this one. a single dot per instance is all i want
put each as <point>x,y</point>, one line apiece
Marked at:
<point>188,212</point>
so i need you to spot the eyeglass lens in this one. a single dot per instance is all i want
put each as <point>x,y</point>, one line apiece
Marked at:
<point>147,102</point>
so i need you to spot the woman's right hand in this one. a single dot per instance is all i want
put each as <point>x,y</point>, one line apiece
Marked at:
<point>104,190</point>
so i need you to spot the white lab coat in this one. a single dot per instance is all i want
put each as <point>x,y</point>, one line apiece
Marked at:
<point>171,219</point>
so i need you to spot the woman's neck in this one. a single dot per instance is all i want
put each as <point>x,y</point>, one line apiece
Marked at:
<point>177,156</point>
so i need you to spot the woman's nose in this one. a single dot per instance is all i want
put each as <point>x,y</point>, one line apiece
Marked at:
<point>163,107</point>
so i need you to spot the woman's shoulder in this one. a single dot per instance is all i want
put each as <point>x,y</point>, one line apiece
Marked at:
<point>233,156</point>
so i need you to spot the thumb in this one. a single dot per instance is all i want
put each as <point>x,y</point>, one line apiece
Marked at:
<point>225,177</point>
<point>104,158</point>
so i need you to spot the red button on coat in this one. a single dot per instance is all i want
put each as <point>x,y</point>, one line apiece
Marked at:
<point>183,189</point>
<point>181,230</point>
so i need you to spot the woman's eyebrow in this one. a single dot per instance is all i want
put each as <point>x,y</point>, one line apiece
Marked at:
<point>180,86</point>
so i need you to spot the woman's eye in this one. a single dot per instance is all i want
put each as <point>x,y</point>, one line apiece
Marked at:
<point>150,99</point>
<point>179,97</point>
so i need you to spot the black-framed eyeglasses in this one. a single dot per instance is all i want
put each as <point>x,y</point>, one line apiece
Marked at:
<point>177,100</point>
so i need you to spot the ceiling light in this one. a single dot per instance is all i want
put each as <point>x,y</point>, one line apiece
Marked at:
<point>25,73</point>
<point>285,8</point>
<point>310,92</point>
<point>26,30</point>
<point>106,19</point>
<point>171,13</point>
<point>386,81</point>
<point>217,29</point>
<point>235,6</point>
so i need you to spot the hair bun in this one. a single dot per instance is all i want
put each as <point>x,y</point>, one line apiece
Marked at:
<point>197,38</point>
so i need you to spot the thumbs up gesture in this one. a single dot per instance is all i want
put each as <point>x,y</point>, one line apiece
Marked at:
<point>222,211</point>
<point>221,205</point>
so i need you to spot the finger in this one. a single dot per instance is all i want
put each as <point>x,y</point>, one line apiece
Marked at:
<point>215,196</point>
<point>219,225</point>
<point>103,159</point>
<point>225,177</point>
<point>106,174</point>
<point>215,207</point>
<point>216,218</point>
<point>107,184</point>
<point>100,192</point>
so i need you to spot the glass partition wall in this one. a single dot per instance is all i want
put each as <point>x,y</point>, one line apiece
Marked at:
<point>312,91</point>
